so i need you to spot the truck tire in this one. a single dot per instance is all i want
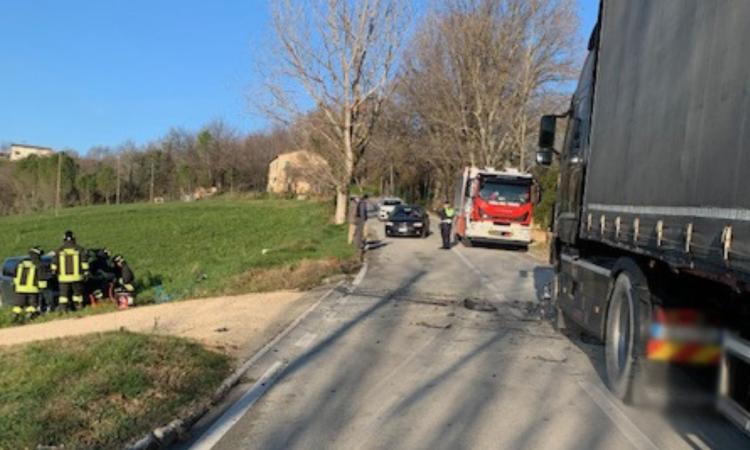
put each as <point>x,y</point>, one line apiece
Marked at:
<point>466,242</point>
<point>628,318</point>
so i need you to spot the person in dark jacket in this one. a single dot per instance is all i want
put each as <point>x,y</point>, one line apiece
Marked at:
<point>360,219</point>
<point>446,223</point>
<point>125,277</point>
<point>71,266</point>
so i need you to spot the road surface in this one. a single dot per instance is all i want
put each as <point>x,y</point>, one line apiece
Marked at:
<point>399,362</point>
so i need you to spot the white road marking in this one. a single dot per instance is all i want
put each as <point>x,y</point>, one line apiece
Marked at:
<point>305,340</point>
<point>266,348</point>
<point>697,442</point>
<point>466,261</point>
<point>360,276</point>
<point>235,413</point>
<point>631,432</point>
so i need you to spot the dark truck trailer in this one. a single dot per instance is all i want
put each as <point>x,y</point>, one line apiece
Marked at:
<point>652,218</point>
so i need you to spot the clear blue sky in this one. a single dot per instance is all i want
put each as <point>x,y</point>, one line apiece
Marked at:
<point>74,74</point>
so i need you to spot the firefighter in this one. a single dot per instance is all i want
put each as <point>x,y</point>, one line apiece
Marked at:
<point>27,285</point>
<point>446,222</point>
<point>124,274</point>
<point>71,267</point>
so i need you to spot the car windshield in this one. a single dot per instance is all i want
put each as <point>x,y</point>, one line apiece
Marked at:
<point>407,212</point>
<point>391,202</point>
<point>498,191</point>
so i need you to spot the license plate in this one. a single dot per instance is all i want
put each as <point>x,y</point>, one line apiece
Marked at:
<point>495,233</point>
<point>403,229</point>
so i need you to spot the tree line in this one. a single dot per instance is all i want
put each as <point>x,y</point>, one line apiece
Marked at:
<point>395,102</point>
<point>171,167</point>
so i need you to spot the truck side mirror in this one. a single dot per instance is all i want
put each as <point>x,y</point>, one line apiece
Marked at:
<point>547,131</point>
<point>544,157</point>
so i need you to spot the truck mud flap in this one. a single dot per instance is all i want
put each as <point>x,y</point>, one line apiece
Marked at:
<point>734,381</point>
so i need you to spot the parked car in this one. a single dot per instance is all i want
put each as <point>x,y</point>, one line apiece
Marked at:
<point>406,220</point>
<point>387,206</point>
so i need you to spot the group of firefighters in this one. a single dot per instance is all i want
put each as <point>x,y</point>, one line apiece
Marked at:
<point>77,273</point>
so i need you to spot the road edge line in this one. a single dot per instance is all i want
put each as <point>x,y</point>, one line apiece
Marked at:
<point>165,436</point>
<point>629,430</point>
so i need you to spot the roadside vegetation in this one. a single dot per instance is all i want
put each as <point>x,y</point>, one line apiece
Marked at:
<point>188,250</point>
<point>100,391</point>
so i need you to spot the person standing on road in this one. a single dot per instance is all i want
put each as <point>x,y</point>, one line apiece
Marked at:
<point>71,267</point>
<point>446,223</point>
<point>27,285</point>
<point>360,220</point>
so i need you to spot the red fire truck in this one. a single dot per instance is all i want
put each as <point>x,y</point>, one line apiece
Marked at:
<point>494,206</point>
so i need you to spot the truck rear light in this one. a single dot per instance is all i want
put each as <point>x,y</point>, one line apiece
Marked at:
<point>683,336</point>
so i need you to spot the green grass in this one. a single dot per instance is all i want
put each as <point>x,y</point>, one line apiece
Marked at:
<point>185,250</point>
<point>100,391</point>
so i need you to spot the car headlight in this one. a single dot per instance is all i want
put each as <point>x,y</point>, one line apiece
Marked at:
<point>389,224</point>
<point>418,224</point>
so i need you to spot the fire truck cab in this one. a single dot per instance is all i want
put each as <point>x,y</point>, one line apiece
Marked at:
<point>493,206</point>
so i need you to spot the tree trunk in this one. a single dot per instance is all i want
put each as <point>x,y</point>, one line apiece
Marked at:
<point>342,201</point>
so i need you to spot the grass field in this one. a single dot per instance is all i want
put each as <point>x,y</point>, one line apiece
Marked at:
<point>182,250</point>
<point>100,391</point>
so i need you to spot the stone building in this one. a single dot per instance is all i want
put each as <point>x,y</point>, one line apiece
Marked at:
<point>299,173</point>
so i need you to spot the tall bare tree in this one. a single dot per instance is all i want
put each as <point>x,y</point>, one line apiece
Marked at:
<point>476,72</point>
<point>336,57</point>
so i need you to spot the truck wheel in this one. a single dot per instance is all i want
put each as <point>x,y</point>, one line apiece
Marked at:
<point>628,314</point>
<point>466,241</point>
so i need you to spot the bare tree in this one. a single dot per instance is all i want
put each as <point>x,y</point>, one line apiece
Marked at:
<point>339,55</point>
<point>475,73</point>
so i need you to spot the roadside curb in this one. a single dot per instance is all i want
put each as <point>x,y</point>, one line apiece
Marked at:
<point>163,437</point>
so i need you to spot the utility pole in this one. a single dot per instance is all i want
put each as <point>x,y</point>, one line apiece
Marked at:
<point>151,185</point>
<point>59,184</point>
<point>117,190</point>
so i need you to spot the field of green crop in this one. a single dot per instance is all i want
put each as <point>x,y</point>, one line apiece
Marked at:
<point>181,250</point>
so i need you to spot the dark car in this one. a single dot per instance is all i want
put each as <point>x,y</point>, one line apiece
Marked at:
<point>406,220</point>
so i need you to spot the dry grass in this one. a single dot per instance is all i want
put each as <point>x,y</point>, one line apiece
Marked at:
<point>305,274</point>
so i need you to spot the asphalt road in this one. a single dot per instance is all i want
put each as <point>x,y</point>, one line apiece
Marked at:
<point>399,362</point>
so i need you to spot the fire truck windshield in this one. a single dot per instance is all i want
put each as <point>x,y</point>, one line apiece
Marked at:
<point>499,191</point>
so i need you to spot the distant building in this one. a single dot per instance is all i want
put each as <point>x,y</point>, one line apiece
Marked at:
<point>299,173</point>
<point>18,152</point>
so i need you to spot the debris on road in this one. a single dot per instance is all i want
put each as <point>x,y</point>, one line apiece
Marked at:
<point>479,305</point>
<point>430,325</point>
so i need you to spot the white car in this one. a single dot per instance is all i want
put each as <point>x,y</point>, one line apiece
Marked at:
<point>387,206</point>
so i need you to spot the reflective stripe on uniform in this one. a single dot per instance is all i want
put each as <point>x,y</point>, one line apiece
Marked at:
<point>63,300</point>
<point>25,281</point>
<point>78,298</point>
<point>70,266</point>
<point>17,310</point>
<point>30,309</point>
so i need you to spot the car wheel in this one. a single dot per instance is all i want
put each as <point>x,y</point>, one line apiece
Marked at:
<point>628,315</point>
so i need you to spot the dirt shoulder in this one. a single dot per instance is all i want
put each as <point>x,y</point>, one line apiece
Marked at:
<point>236,325</point>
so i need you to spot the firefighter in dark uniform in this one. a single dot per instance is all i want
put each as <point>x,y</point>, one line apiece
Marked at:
<point>124,274</point>
<point>71,267</point>
<point>446,223</point>
<point>27,285</point>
